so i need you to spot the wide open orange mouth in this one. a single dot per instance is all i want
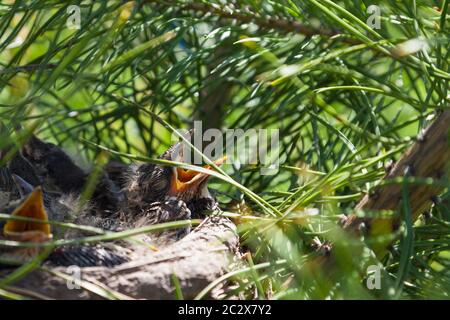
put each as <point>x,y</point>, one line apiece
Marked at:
<point>32,207</point>
<point>183,179</point>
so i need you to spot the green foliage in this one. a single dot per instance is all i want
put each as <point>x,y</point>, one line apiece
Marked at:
<point>345,106</point>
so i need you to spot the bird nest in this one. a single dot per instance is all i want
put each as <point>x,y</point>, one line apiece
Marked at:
<point>190,265</point>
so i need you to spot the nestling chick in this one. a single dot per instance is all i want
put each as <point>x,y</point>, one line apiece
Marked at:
<point>44,207</point>
<point>158,194</point>
<point>149,183</point>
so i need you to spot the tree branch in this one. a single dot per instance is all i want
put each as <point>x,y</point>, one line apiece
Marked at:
<point>245,15</point>
<point>429,157</point>
<point>262,22</point>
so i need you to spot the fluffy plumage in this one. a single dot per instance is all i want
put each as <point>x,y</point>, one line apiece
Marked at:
<point>58,172</point>
<point>146,198</point>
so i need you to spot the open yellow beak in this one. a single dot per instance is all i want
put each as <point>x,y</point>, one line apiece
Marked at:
<point>185,179</point>
<point>32,207</point>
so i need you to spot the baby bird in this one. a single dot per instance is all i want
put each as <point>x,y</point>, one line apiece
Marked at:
<point>148,183</point>
<point>150,194</point>
<point>104,254</point>
<point>43,208</point>
<point>21,199</point>
<point>156,193</point>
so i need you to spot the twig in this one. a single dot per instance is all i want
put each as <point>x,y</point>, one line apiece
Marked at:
<point>263,22</point>
<point>251,17</point>
<point>29,68</point>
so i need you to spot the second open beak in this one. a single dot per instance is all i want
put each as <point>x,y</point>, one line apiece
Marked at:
<point>32,207</point>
